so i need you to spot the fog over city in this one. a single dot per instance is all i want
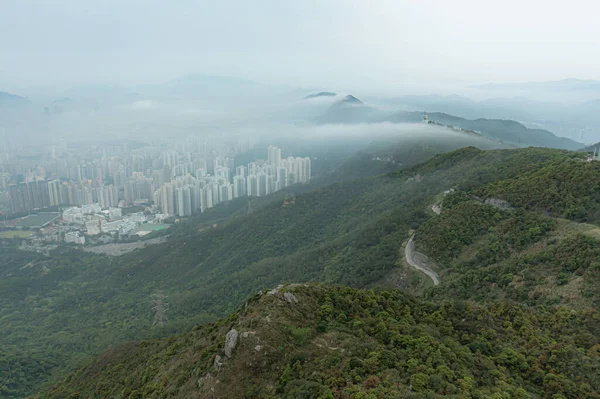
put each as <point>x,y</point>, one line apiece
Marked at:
<point>97,98</point>
<point>101,85</point>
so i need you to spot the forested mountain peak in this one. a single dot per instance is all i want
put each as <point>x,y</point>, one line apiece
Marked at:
<point>317,341</point>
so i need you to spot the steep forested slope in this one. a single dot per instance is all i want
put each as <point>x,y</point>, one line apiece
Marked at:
<point>565,187</point>
<point>537,252</point>
<point>486,253</point>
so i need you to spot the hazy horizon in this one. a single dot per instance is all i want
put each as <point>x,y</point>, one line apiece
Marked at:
<point>381,47</point>
<point>148,66</point>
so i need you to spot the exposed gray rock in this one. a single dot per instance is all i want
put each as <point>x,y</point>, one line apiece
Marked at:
<point>218,363</point>
<point>275,290</point>
<point>202,380</point>
<point>230,342</point>
<point>289,297</point>
<point>257,348</point>
<point>246,334</point>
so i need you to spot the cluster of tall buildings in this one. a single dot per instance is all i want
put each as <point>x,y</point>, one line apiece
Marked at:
<point>26,197</point>
<point>195,192</point>
<point>4,180</point>
<point>180,181</point>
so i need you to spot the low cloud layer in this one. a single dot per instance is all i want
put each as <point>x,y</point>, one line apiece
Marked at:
<point>386,130</point>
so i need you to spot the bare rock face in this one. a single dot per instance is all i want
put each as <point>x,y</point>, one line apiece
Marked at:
<point>289,297</point>
<point>230,342</point>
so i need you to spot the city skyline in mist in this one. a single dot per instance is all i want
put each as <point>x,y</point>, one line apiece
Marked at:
<point>377,46</point>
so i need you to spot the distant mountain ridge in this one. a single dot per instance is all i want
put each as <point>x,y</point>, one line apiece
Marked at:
<point>320,94</point>
<point>351,110</point>
<point>495,108</point>
<point>576,119</point>
<point>508,131</point>
<point>200,79</point>
<point>349,100</point>
<point>554,85</point>
<point>12,100</point>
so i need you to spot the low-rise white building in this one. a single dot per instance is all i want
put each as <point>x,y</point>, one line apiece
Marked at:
<point>114,213</point>
<point>91,208</point>
<point>74,237</point>
<point>112,226</point>
<point>159,217</point>
<point>77,214</point>
<point>92,227</point>
<point>138,217</point>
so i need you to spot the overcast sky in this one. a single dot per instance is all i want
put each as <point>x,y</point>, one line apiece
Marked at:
<point>312,43</point>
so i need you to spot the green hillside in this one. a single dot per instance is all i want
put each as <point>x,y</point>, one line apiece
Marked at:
<point>484,253</point>
<point>539,252</point>
<point>59,310</point>
<point>566,187</point>
<point>327,342</point>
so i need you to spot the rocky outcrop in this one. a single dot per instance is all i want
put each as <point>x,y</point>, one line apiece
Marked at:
<point>230,342</point>
<point>286,296</point>
<point>289,297</point>
<point>218,363</point>
<point>275,290</point>
<point>203,380</point>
